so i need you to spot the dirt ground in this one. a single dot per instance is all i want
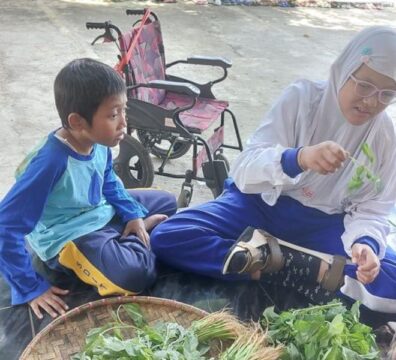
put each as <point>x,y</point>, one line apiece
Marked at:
<point>269,46</point>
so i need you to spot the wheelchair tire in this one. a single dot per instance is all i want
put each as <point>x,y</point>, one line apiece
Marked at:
<point>179,149</point>
<point>133,164</point>
<point>221,156</point>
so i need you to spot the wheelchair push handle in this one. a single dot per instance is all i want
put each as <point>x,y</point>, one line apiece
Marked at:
<point>135,12</point>
<point>107,26</point>
<point>141,12</point>
<point>97,25</point>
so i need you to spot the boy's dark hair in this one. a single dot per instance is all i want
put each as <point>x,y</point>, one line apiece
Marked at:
<point>82,85</point>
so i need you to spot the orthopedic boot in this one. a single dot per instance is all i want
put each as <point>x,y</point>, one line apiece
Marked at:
<point>256,250</point>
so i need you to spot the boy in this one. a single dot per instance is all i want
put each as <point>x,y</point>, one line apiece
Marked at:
<point>70,206</point>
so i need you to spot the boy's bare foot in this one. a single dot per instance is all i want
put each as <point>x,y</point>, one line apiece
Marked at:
<point>154,220</point>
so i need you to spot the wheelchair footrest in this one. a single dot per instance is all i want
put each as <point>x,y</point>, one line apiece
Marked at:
<point>214,175</point>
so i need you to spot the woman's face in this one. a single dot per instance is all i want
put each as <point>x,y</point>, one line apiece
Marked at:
<point>357,109</point>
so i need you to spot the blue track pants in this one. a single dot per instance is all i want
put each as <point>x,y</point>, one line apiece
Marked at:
<point>112,264</point>
<point>197,239</point>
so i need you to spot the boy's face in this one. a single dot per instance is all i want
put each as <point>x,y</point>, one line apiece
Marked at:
<point>357,109</point>
<point>108,122</point>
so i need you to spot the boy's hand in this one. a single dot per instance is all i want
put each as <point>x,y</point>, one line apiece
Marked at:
<point>367,262</point>
<point>137,227</point>
<point>323,158</point>
<point>50,302</point>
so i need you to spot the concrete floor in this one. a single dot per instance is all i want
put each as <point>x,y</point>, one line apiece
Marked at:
<point>269,47</point>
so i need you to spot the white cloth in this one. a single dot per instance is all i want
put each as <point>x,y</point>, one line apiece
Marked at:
<point>308,113</point>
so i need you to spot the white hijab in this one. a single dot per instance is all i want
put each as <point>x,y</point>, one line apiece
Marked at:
<point>375,47</point>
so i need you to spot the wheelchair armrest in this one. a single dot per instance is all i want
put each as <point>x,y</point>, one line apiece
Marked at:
<point>178,87</point>
<point>209,60</point>
<point>206,60</point>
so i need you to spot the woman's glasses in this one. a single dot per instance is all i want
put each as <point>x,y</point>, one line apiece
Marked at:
<point>366,89</point>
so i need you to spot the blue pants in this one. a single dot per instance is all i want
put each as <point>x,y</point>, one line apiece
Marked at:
<point>198,239</point>
<point>112,264</point>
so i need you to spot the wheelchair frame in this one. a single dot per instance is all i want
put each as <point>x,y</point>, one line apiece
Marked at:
<point>155,123</point>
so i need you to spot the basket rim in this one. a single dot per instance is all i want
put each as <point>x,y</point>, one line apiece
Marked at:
<point>110,301</point>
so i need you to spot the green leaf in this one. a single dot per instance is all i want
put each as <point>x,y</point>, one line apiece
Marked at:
<point>269,316</point>
<point>154,335</point>
<point>114,344</point>
<point>360,171</point>
<point>368,152</point>
<point>336,326</point>
<point>134,312</point>
<point>355,184</point>
<point>308,330</point>
<point>329,331</point>
<point>334,353</point>
<point>293,353</point>
<point>95,338</point>
<point>355,311</point>
<point>311,351</point>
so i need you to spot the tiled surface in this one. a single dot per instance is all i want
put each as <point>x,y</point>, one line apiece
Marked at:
<point>247,299</point>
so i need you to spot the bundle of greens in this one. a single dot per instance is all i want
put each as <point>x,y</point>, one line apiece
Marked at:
<point>171,341</point>
<point>252,346</point>
<point>326,332</point>
<point>362,172</point>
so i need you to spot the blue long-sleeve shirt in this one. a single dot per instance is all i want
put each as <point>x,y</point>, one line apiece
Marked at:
<point>59,196</point>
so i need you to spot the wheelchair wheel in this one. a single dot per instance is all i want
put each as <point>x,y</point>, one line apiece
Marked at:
<point>159,146</point>
<point>133,164</point>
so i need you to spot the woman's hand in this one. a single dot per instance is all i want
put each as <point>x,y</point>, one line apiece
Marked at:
<point>367,262</point>
<point>324,158</point>
<point>138,228</point>
<point>50,302</point>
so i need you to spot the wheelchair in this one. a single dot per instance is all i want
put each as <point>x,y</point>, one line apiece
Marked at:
<point>167,114</point>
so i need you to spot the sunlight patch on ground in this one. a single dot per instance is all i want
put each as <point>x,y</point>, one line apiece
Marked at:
<point>337,19</point>
<point>111,3</point>
<point>89,2</point>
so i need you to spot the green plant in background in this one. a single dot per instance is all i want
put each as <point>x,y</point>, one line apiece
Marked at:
<point>326,332</point>
<point>362,172</point>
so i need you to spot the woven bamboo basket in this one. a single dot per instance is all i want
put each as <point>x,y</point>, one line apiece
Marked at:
<point>65,336</point>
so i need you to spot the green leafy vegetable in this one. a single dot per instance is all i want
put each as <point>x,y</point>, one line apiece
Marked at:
<point>362,172</point>
<point>368,152</point>
<point>321,332</point>
<point>171,341</point>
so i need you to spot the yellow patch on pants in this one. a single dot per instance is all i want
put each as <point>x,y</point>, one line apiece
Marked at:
<point>72,258</point>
